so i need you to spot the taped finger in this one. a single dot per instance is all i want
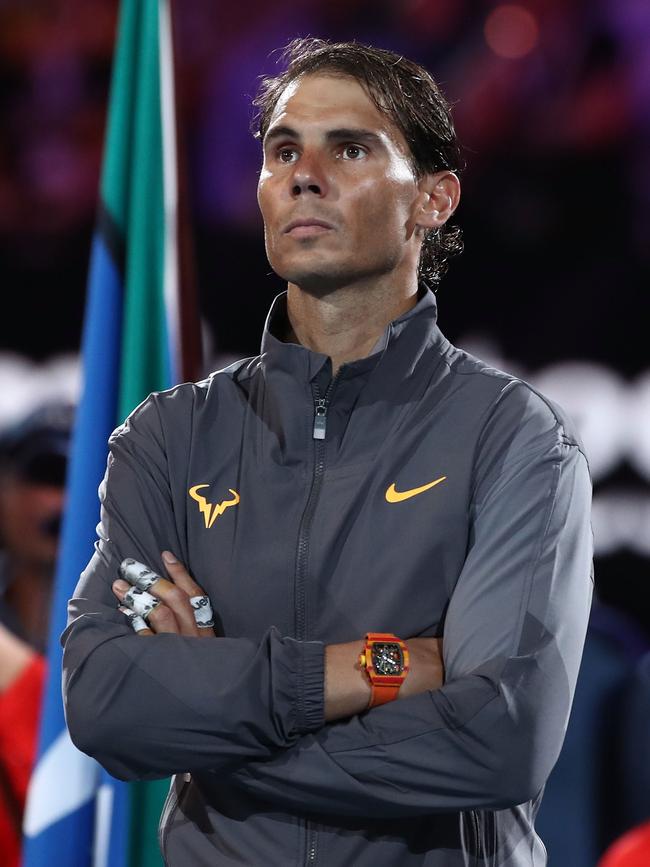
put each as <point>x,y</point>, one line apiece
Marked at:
<point>136,621</point>
<point>140,602</point>
<point>202,611</point>
<point>137,574</point>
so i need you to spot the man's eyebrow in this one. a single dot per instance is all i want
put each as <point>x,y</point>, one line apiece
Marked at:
<point>280,132</point>
<point>340,134</point>
<point>345,133</point>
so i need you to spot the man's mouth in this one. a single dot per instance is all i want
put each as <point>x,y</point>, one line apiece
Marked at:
<point>307,228</point>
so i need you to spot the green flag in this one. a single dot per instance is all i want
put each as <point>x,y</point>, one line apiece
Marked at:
<point>130,347</point>
<point>139,197</point>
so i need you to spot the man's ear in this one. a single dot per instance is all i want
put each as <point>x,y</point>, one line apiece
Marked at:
<point>437,199</point>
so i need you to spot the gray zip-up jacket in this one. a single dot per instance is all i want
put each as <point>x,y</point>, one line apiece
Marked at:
<point>297,545</point>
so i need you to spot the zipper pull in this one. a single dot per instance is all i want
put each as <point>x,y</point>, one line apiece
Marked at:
<point>320,419</point>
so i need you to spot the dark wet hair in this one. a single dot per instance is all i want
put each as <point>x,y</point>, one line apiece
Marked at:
<point>402,90</point>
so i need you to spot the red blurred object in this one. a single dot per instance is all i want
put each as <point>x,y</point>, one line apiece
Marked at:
<point>19,717</point>
<point>630,850</point>
<point>511,31</point>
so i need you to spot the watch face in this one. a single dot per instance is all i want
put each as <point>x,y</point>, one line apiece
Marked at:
<point>387,658</point>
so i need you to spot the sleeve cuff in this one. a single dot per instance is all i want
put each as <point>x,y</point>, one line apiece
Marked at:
<point>310,707</point>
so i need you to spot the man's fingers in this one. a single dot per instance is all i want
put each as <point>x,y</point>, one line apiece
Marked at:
<point>179,574</point>
<point>137,623</point>
<point>175,598</point>
<point>179,602</point>
<point>141,602</point>
<point>160,619</point>
<point>183,597</point>
<point>120,587</point>
<point>165,619</point>
<point>203,615</point>
<point>199,601</point>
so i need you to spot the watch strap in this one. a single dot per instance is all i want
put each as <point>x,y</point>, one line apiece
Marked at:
<point>383,692</point>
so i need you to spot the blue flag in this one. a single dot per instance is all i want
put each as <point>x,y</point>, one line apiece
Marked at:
<point>76,814</point>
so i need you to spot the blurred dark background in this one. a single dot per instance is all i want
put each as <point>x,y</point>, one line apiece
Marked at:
<point>552,103</point>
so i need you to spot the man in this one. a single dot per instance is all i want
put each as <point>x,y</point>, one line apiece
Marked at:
<point>361,477</point>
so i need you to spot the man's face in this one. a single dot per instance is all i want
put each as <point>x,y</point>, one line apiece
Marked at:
<point>337,191</point>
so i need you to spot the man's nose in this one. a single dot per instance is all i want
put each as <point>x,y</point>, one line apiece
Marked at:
<point>309,177</point>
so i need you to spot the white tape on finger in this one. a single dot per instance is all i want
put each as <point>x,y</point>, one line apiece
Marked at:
<point>138,574</point>
<point>202,611</point>
<point>136,622</point>
<point>140,602</point>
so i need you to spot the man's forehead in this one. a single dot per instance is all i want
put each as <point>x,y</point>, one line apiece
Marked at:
<point>323,100</point>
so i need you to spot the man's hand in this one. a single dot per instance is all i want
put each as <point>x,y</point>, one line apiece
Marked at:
<point>175,613</point>
<point>426,669</point>
<point>347,688</point>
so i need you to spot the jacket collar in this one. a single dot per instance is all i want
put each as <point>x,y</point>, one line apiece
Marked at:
<point>372,395</point>
<point>306,365</point>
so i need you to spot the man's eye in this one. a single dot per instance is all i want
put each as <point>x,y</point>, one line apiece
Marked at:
<point>353,152</point>
<point>287,155</point>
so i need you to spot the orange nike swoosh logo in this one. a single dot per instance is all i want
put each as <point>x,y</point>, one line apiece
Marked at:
<point>393,496</point>
<point>211,511</point>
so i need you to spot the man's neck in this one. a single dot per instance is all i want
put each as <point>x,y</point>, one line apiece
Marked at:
<point>346,323</point>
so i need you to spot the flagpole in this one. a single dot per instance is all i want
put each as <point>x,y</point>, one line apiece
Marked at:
<point>184,341</point>
<point>191,344</point>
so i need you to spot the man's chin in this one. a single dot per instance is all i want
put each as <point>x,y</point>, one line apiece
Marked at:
<point>321,279</point>
<point>318,285</point>
<point>317,281</point>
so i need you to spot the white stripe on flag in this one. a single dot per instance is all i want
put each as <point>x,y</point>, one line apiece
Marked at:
<point>63,781</point>
<point>170,185</point>
<point>103,820</point>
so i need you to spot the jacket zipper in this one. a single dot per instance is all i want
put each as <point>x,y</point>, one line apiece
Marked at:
<point>320,418</point>
<point>311,844</point>
<point>321,405</point>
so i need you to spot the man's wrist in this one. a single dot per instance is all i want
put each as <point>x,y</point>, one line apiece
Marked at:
<point>347,688</point>
<point>385,661</point>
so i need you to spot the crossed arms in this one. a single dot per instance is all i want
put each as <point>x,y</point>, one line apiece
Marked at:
<point>346,690</point>
<point>282,718</point>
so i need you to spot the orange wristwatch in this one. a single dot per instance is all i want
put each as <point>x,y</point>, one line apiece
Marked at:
<point>385,659</point>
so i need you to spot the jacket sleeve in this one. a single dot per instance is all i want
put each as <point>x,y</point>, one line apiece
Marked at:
<point>147,708</point>
<point>512,644</point>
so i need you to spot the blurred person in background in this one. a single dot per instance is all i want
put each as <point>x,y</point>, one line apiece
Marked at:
<point>33,458</point>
